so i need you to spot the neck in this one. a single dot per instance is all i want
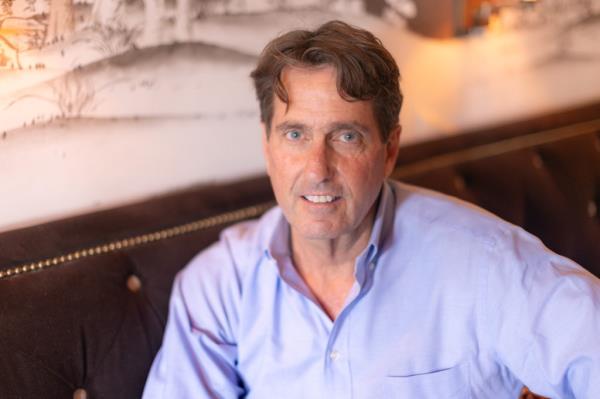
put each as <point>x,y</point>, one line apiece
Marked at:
<point>327,266</point>
<point>329,253</point>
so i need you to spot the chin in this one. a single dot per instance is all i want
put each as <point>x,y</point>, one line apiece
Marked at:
<point>318,232</point>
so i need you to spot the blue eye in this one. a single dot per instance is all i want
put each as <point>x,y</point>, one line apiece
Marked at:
<point>293,135</point>
<point>349,137</point>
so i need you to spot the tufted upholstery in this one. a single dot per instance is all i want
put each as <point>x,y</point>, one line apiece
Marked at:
<point>95,323</point>
<point>87,321</point>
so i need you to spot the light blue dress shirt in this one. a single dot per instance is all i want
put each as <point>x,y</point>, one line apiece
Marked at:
<point>449,302</point>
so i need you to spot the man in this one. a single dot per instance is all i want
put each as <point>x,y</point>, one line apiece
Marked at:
<point>359,287</point>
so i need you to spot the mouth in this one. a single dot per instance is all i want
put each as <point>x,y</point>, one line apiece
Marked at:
<point>321,199</point>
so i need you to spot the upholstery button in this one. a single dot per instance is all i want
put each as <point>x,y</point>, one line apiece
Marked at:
<point>80,394</point>
<point>592,209</point>
<point>537,162</point>
<point>459,183</point>
<point>133,283</point>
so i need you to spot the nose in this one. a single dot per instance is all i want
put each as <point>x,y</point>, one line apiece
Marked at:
<point>319,162</point>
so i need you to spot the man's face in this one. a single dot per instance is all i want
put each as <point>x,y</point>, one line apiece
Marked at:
<point>325,156</point>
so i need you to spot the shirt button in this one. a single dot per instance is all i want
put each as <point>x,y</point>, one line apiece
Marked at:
<point>371,265</point>
<point>334,355</point>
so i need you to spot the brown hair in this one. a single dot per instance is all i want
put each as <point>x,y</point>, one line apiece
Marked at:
<point>365,69</point>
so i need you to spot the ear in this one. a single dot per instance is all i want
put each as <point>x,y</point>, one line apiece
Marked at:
<point>265,147</point>
<point>391,150</point>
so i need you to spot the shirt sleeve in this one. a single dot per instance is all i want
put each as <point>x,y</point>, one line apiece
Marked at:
<point>199,351</point>
<point>544,317</point>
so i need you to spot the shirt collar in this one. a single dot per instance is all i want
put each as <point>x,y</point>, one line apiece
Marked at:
<point>382,222</point>
<point>278,243</point>
<point>366,262</point>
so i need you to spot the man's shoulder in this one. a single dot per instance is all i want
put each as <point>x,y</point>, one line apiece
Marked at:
<point>239,248</point>
<point>449,224</point>
<point>433,212</point>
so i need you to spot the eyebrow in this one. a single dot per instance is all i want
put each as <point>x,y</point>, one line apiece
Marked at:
<point>352,125</point>
<point>286,126</point>
<point>335,126</point>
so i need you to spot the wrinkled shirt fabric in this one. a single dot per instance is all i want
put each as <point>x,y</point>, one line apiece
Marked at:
<point>448,301</point>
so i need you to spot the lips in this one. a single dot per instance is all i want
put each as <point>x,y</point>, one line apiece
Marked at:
<point>320,199</point>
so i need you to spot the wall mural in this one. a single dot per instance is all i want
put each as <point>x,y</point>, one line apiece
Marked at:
<point>104,102</point>
<point>124,60</point>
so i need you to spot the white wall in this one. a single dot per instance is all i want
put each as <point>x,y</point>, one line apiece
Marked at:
<point>187,119</point>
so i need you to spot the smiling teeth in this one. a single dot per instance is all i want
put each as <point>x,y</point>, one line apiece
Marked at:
<point>319,198</point>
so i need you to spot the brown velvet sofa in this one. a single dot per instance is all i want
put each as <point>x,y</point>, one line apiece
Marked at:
<point>83,301</point>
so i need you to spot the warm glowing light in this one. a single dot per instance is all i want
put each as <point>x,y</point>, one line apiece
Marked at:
<point>11,31</point>
<point>494,23</point>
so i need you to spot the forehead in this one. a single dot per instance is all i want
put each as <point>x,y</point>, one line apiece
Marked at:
<point>320,79</point>
<point>313,93</point>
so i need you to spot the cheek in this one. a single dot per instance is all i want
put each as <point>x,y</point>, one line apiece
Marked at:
<point>282,173</point>
<point>366,171</point>
<point>364,178</point>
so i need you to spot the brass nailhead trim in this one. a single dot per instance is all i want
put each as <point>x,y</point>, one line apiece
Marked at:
<point>201,224</point>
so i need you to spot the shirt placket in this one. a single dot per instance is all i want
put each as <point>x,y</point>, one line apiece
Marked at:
<point>337,375</point>
<point>337,361</point>
<point>338,370</point>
